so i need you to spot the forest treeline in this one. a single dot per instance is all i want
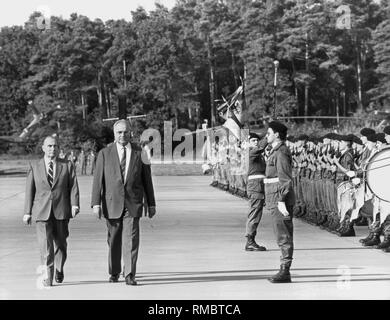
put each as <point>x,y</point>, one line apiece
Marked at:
<point>173,64</point>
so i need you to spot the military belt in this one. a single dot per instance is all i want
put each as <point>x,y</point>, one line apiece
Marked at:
<point>271,180</point>
<point>256,176</point>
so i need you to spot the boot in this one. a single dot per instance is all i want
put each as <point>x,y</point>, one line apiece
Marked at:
<point>302,213</point>
<point>283,276</point>
<point>373,242</point>
<point>386,249</point>
<point>368,238</point>
<point>343,226</point>
<point>385,243</point>
<point>347,231</point>
<point>323,218</point>
<point>324,222</point>
<point>251,245</point>
<point>297,211</point>
<point>361,222</point>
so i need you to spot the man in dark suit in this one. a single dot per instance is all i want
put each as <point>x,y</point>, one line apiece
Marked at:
<point>122,176</point>
<point>52,196</point>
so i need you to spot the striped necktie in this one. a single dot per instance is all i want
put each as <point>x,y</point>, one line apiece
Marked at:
<point>50,174</point>
<point>123,164</point>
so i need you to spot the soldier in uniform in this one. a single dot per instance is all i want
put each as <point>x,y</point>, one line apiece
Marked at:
<point>255,189</point>
<point>301,180</point>
<point>367,210</point>
<point>345,166</point>
<point>279,197</point>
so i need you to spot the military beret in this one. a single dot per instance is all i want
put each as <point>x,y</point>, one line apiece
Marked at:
<point>356,140</point>
<point>277,126</point>
<point>332,136</point>
<point>336,136</point>
<point>316,140</point>
<point>253,135</point>
<point>303,137</point>
<point>380,137</point>
<point>328,136</point>
<point>386,130</point>
<point>371,137</point>
<point>347,138</point>
<point>367,131</point>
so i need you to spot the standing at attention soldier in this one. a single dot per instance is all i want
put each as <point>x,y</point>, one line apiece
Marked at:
<point>280,197</point>
<point>255,190</point>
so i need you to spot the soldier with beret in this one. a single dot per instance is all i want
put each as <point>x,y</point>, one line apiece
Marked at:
<point>279,197</point>
<point>301,184</point>
<point>255,189</point>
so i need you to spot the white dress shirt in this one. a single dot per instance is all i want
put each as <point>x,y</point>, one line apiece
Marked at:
<point>119,148</point>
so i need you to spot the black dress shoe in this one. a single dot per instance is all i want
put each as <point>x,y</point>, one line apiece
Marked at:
<point>59,276</point>
<point>114,278</point>
<point>130,280</point>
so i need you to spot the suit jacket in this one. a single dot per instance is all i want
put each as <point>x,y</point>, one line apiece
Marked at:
<point>41,199</point>
<point>108,189</point>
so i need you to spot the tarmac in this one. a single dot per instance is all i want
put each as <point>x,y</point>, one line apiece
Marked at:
<point>193,249</point>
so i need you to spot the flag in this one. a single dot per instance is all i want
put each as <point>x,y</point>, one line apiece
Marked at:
<point>231,111</point>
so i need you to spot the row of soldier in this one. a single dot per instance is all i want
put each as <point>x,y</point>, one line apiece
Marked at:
<point>328,176</point>
<point>84,162</point>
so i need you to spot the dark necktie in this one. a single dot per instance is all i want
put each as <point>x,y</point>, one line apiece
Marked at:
<point>123,164</point>
<point>50,174</point>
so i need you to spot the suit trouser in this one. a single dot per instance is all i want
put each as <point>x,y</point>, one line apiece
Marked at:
<point>254,215</point>
<point>130,244</point>
<point>52,235</point>
<point>123,236</point>
<point>283,230</point>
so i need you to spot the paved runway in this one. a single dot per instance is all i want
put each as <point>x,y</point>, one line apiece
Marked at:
<point>192,249</point>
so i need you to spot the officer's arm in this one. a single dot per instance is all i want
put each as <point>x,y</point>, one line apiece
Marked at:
<point>30,191</point>
<point>283,167</point>
<point>74,186</point>
<point>98,178</point>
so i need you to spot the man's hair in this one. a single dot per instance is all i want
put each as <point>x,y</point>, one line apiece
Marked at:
<point>52,136</point>
<point>119,122</point>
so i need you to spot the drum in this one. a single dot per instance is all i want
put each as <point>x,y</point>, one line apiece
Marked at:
<point>378,174</point>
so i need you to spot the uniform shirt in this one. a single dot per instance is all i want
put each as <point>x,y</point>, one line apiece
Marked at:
<point>256,161</point>
<point>256,166</point>
<point>346,161</point>
<point>364,157</point>
<point>279,165</point>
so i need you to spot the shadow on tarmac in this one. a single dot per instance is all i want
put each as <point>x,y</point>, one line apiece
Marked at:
<point>212,276</point>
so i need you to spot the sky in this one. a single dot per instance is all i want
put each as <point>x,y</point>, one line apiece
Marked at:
<point>16,12</point>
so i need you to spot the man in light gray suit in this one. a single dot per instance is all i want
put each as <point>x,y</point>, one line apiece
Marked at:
<point>52,197</point>
<point>122,178</point>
